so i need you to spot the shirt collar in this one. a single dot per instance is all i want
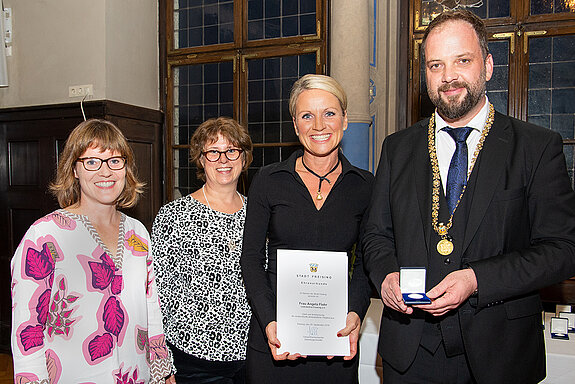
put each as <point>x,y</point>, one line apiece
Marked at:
<point>477,123</point>
<point>289,164</point>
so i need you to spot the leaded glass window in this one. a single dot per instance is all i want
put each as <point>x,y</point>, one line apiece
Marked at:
<point>269,121</point>
<point>498,86</point>
<point>201,91</point>
<point>486,9</point>
<point>236,58</point>
<point>541,7</point>
<point>269,19</point>
<point>551,91</point>
<point>198,23</point>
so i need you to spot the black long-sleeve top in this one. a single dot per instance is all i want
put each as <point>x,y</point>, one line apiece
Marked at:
<point>281,209</point>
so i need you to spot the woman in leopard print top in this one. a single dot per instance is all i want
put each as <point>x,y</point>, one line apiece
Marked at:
<point>197,245</point>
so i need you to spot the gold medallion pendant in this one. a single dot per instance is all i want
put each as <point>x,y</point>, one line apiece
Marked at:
<point>444,247</point>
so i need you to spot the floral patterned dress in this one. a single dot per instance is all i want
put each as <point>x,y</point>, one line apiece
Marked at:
<point>80,315</point>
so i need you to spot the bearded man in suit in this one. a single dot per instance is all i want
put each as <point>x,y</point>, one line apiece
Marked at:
<point>483,201</point>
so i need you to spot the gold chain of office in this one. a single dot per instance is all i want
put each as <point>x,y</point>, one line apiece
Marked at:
<point>445,245</point>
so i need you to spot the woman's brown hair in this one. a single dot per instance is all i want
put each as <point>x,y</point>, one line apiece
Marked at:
<point>208,132</point>
<point>104,135</point>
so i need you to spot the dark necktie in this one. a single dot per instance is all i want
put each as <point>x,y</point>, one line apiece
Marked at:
<point>457,175</point>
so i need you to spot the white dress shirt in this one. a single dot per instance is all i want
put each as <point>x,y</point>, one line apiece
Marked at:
<point>445,145</point>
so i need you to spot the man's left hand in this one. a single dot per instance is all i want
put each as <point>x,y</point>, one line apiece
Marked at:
<point>453,290</point>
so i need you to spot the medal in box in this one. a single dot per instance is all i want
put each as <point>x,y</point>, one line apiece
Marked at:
<point>412,285</point>
<point>559,328</point>
<point>571,320</point>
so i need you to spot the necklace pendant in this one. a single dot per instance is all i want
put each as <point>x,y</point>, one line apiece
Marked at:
<point>444,247</point>
<point>319,196</point>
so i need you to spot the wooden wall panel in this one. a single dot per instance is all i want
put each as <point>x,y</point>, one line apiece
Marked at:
<point>562,293</point>
<point>21,171</point>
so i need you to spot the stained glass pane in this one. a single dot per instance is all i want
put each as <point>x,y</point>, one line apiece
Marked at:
<point>201,23</point>
<point>552,88</point>
<point>268,19</point>
<point>486,9</point>
<point>552,83</point>
<point>541,7</point>
<point>269,121</point>
<point>498,86</point>
<point>201,91</point>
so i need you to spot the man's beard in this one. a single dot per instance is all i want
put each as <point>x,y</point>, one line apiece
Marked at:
<point>450,108</point>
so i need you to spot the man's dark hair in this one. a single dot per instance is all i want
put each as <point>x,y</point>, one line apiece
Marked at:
<point>463,15</point>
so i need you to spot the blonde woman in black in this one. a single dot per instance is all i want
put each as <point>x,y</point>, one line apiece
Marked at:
<point>315,200</point>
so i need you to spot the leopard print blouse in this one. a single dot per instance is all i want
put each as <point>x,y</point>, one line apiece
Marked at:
<point>196,259</point>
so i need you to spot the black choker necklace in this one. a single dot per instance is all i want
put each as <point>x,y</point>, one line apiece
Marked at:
<point>321,178</point>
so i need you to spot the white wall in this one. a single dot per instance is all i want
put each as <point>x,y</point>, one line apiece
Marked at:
<point>132,73</point>
<point>112,44</point>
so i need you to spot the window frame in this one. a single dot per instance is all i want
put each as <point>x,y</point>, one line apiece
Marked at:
<point>239,52</point>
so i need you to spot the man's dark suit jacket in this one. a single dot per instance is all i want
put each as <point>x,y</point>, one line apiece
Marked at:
<point>519,237</point>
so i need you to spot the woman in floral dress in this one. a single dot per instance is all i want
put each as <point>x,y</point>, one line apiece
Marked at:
<point>84,302</point>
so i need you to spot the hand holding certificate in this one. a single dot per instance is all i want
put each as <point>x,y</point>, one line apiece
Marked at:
<point>312,302</point>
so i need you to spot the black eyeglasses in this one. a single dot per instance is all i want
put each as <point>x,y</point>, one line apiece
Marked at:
<point>214,155</point>
<point>115,163</point>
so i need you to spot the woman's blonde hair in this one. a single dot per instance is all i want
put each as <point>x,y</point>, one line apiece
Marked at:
<point>104,135</point>
<point>312,81</point>
<point>208,132</point>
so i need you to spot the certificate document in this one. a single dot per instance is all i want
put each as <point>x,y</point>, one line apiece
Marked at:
<point>312,302</point>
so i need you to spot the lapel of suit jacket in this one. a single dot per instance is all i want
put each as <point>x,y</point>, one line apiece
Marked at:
<point>490,168</point>
<point>422,171</point>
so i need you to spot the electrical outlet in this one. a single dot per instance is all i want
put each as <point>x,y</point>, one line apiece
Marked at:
<point>81,90</point>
